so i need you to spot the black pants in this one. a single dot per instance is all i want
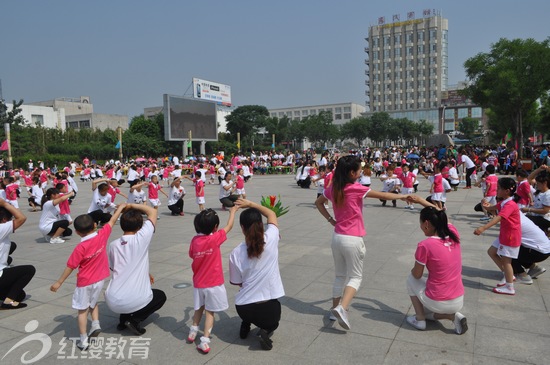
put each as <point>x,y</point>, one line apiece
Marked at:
<point>140,315</point>
<point>13,280</point>
<point>540,222</point>
<point>305,183</point>
<point>177,207</point>
<point>99,217</point>
<point>526,258</point>
<point>229,201</point>
<point>469,173</point>
<point>264,315</point>
<point>61,224</point>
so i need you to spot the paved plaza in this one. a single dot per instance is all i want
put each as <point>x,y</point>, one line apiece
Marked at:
<point>502,329</point>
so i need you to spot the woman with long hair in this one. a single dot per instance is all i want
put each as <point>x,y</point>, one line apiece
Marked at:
<point>254,266</point>
<point>348,248</point>
<point>51,225</point>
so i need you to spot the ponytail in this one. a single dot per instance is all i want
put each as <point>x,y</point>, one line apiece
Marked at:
<point>438,219</point>
<point>48,196</point>
<point>253,228</point>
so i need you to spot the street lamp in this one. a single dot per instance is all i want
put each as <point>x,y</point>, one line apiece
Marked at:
<point>442,126</point>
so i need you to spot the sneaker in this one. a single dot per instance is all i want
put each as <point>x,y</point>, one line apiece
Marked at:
<point>411,207</point>
<point>193,330</point>
<point>245,329</point>
<point>419,325</point>
<point>94,331</point>
<point>505,290</point>
<point>121,327</point>
<point>83,346</point>
<point>461,324</point>
<point>56,240</point>
<point>502,281</point>
<point>265,342</point>
<point>135,327</point>
<point>204,346</point>
<point>526,279</point>
<point>485,219</point>
<point>341,316</point>
<point>536,271</point>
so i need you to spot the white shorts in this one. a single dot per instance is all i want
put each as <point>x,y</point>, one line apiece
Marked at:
<point>417,288</point>
<point>44,185</point>
<point>14,203</point>
<point>506,251</point>
<point>407,191</point>
<point>86,296</point>
<point>436,197</point>
<point>240,191</point>
<point>200,200</point>
<point>214,299</point>
<point>491,200</point>
<point>66,216</point>
<point>154,202</point>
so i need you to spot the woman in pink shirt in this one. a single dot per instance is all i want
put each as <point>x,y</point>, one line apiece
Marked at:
<point>348,248</point>
<point>441,294</point>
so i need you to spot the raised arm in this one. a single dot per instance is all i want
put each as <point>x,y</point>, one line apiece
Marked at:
<point>231,219</point>
<point>97,182</point>
<point>151,212</point>
<point>18,217</point>
<point>266,212</point>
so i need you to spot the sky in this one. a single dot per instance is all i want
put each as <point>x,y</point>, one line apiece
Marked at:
<point>125,54</point>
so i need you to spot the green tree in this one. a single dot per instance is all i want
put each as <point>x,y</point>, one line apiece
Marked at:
<point>246,120</point>
<point>356,130</point>
<point>509,79</point>
<point>12,116</point>
<point>543,118</point>
<point>280,127</point>
<point>378,126</point>
<point>319,128</point>
<point>468,127</point>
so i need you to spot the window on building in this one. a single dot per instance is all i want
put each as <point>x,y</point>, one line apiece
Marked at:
<point>338,110</point>
<point>387,53</point>
<point>433,34</point>
<point>296,113</point>
<point>73,125</point>
<point>347,109</point>
<point>410,63</point>
<point>449,113</point>
<point>409,37</point>
<point>433,48</point>
<point>397,38</point>
<point>420,36</point>
<point>347,115</point>
<point>84,124</point>
<point>476,112</point>
<point>376,42</point>
<point>304,113</point>
<point>420,48</point>
<point>337,116</point>
<point>312,112</point>
<point>387,40</point>
<point>410,51</point>
<point>37,120</point>
<point>375,55</point>
<point>462,113</point>
<point>397,52</point>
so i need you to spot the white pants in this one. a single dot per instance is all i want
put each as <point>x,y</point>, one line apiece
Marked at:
<point>348,253</point>
<point>417,288</point>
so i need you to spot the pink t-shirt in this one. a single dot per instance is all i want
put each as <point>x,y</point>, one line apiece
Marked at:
<point>154,190</point>
<point>64,207</point>
<point>443,259</point>
<point>349,216</point>
<point>199,188</point>
<point>90,257</point>
<point>207,259</point>
<point>11,191</point>
<point>114,191</point>
<point>524,191</point>
<point>492,188</point>
<point>438,183</point>
<point>240,182</point>
<point>407,179</point>
<point>510,223</point>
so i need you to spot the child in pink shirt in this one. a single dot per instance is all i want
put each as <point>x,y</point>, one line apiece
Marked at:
<point>506,246</point>
<point>90,257</point>
<point>209,291</point>
<point>154,189</point>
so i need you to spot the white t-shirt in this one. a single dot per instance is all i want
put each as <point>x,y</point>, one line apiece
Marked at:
<point>453,175</point>
<point>260,277</point>
<point>541,200</point>
<point>5,244</point>
<point>246,171</point>
<point>203,174</point>
<point>175,160</point>
<point>50,215</point>
<point>176,173</point>
<point>130,286</point>
<point>137,197</point>
<point>532,236</point>
<point>101,202</point>
<point>221,172</point>
<point>467,162</point>
<point>37,193</point>
<point>225,193</point>
<point>132,175</point>
<point>175,194</point>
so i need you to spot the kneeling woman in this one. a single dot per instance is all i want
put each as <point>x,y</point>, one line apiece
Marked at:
<point>254,266</point>
<point>441,295</point>
<point>51,225</point>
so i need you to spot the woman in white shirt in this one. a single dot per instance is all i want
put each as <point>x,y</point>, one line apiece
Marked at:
<point>540,212</point>
<point>51,225</point>
<point>254,266</point>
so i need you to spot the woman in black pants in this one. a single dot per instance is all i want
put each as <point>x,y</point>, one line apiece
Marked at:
<point>13,279</point>
<point>254,266</point>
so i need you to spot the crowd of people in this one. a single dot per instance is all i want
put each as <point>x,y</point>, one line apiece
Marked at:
<point>520,206</point>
